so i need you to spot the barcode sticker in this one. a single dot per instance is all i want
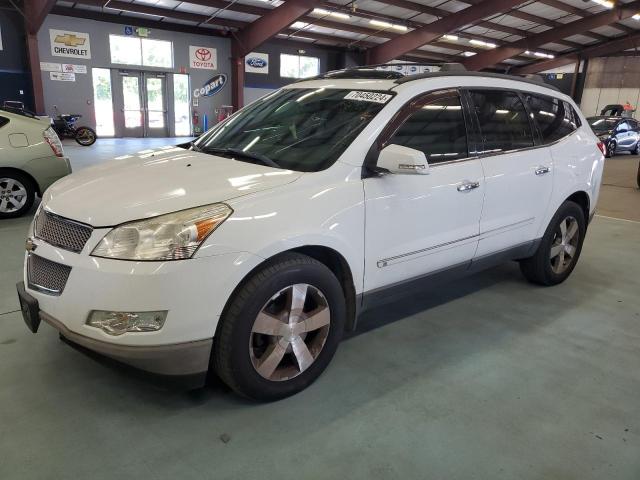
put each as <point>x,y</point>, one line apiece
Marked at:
<point>368,97</point>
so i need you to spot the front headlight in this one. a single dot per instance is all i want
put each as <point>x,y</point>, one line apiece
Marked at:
<point>174,236</point>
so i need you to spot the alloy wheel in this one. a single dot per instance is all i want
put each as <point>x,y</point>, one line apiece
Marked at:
<point>289,332</point>
<point>13,195</point>
<point>564,245</point>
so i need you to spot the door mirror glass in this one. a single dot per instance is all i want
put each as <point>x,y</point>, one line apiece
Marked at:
<point>398,159</point>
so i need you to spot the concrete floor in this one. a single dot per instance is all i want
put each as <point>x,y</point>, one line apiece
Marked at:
<point>489,378</point>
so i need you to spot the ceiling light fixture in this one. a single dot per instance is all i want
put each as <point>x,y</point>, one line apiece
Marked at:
<point>453,38</point>
<point>605,3</point>
<point>468,54</point>
<point>379,23</point>
<point>539,54</point>
<point>482,43</point>
<point>322,11</point>
<point>636,16</point>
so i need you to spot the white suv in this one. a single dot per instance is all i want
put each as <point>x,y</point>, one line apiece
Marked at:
<point>251,250</point>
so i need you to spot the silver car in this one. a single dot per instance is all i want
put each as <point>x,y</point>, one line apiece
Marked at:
<point>31,159</point>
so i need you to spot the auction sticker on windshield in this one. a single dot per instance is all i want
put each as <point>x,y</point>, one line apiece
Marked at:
<point>375,97</point>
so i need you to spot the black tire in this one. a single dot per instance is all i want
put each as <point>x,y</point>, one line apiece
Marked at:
<point>636,149</point>
<point>538,268</point>
<point>6,189</point>
<point>611,149</point>
<point>86,136</point>
<point>232,350</point>
<point>638,176</point>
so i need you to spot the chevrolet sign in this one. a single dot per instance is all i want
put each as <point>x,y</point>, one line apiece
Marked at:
<point>70,44</point>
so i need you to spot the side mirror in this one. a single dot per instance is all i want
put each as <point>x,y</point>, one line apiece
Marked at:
<point>404,160</point>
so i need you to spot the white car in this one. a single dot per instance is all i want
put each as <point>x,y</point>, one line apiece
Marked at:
<point>31,159</point>
<point>252,250</point>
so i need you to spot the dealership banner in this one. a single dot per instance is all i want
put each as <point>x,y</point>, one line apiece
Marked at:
<point>205,58</point>
<point>257,63</point>
<point>70,44</point>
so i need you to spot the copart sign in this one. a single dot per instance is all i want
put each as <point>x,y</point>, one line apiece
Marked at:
<point>70,44</point>
<point>213,86</point>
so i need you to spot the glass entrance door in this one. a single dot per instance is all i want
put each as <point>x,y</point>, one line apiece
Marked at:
<point>132,106</point>
<point>156,105</point>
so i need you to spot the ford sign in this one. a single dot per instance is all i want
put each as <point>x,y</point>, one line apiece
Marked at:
<point>256,62</point>
<point>213,86</point>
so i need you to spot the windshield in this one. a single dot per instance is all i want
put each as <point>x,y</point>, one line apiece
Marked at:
<point>298,129</point>
<point>599,124</point>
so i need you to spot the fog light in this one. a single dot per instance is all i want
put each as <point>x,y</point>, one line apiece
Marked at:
<point>117,323</point>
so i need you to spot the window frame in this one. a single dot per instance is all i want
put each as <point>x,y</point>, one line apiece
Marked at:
<point>568,107</point>
<point>299,56</point>
<point>405,111</point>
<point>141,64</point>
<point>535,133</point>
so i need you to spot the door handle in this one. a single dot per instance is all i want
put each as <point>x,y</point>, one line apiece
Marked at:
<point>542,170</point>
<point>468,186</point>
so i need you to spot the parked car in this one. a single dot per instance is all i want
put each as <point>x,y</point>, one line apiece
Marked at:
<point>619,134</point>
<point>32,159</point>
<point>254,249</point>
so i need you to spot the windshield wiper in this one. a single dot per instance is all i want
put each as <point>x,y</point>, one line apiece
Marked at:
<point>241,153</point>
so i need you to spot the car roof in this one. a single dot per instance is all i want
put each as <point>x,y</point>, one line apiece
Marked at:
<point>368,78</point>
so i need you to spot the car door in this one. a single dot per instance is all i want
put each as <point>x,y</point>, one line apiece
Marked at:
<point>634,133</point>
<point>623,136</point>
<point>518,172</point>
<point>418,224</point>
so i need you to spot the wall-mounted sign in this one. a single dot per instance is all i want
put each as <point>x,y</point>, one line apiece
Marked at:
<point>213,86</point>
<point>69,68</point>
<point>139,31</point>
<point>50,67</point>
<point>70,44</point>
<point>205,58</point>
<point>62,77</point>
<point>257,63</point>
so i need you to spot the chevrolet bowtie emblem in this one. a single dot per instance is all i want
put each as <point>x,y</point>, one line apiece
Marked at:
<point>29,245</point>
<point>70,40</point>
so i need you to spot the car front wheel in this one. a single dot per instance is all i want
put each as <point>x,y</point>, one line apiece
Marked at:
<point>559,248</point>
<point>280,329</point>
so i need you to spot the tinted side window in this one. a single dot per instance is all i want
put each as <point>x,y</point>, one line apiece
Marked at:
<point>3,121</point>
<point>503,120</point>
<point>622,126</point>
<point>575,119</point>
<point>437,129</point>
<point>554,117</point>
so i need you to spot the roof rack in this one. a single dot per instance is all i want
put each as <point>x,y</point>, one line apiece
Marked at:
<point>387,71</point>
<point>526,79</point>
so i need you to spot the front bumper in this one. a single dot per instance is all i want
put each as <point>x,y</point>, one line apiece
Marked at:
<point>188,359</point>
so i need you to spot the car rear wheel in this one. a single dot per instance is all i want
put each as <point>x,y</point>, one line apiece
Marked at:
<point>280,329</point>
<point>611,149</point>
<point>17,194</point>
<point>559,249</point>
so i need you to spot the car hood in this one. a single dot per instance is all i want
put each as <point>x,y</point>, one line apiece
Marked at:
<point>154,182</point>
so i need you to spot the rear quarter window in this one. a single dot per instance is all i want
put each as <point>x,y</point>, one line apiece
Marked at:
<point>555,118</point>
<point>3,121</point>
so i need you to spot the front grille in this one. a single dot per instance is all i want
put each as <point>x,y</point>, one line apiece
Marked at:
<point>60,232</point>
<point>46,276</point>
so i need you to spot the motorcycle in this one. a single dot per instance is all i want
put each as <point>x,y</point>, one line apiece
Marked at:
<point>65,126</point>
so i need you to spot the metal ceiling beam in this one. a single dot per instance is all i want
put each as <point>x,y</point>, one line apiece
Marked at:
<point>439,12</point>
<point>491,57</point>
<point>421,36</point>
<point>614,46</point>
<point>161,13</point>
<point>557,4</point>
<point>35,11</point>
<point>269,25</point>
<point>542,21</point>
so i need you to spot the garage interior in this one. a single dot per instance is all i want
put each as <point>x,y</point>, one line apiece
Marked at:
<point>486,377</point>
